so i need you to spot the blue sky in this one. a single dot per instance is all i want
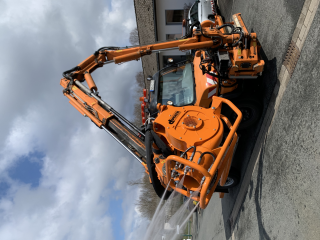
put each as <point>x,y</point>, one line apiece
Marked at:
<point>27,169</point>
<point>60,176</point>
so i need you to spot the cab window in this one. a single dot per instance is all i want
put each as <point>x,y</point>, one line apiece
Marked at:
<point>194,12</point>
<point>176,84</point>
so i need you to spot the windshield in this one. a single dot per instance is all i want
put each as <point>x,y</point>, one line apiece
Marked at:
<point>177,85</point>
<point>194,12</point>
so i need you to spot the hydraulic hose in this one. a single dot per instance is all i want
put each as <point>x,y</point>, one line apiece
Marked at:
<point>157,186</point>
<point>193,153</point>
<point>199,160</point>
<point>66,73</point>
<point>189,34</point>
<point>226,25</point>
<point>241,35</point>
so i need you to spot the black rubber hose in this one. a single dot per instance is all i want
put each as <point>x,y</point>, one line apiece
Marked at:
<point>66,73</point>
<point>193,153</point>
<point>96,53</point>
<point>199,160</point>
<point>158,188</point>
<point>241,36</point>
<point>226,25</point>
<point>189,34</point>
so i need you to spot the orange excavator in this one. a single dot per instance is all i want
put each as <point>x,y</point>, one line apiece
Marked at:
<point>185,133</point>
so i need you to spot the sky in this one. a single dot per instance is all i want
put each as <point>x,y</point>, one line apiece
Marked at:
<point>61,177</point>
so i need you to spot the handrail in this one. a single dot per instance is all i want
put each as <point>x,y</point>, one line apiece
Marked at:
<point>204,200</point>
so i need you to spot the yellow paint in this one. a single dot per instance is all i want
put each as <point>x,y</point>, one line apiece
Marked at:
<point>74,88</point>
<point>239,51</point>
<point>119,51</point>
<point>254,44</point>
<point>183,40</point>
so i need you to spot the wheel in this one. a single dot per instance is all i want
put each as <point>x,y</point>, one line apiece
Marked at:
<point>232,180</point>
<point>251,111</point>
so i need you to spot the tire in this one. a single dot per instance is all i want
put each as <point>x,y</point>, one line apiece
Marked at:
<point>251,111</point>
<point>232,180</point>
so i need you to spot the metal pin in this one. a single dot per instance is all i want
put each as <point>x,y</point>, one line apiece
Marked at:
<point>200,138</point>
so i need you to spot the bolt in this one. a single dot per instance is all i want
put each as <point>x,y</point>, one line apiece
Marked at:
<point>168,127</point>
<point>180,137</point>
<point>213,108</point>
<point>84,115</point>
<point>194,126</point>
<point>200,138</point>
<point>182,122</point>
<point>156,160</point>
<point>199,118</point>
<point>213,116</point>
<point>156,128</point>
<point>187,115</point>
<point>200,108</point>
<point>169,115</point>
<point>214,129</point>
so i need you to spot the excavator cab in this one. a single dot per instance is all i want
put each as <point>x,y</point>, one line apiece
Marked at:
<point>173,85</point>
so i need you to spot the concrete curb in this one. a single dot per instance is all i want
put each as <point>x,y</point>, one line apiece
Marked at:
<point>298,38</point>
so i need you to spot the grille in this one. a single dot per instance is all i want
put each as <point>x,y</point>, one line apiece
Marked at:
<point>191,121</point>
<point>291,58</point>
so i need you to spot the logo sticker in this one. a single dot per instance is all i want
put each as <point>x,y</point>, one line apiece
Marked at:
<point>174,117</point>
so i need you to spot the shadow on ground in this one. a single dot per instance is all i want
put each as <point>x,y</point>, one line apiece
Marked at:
<point>247,142</point>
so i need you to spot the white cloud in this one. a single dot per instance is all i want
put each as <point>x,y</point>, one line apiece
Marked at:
<point>83,167</point>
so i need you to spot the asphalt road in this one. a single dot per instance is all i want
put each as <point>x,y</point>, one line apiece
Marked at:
<point>286,175</point>
<point>284,194</point>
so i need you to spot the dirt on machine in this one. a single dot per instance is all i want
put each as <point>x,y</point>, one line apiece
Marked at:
<point>192,111</point>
